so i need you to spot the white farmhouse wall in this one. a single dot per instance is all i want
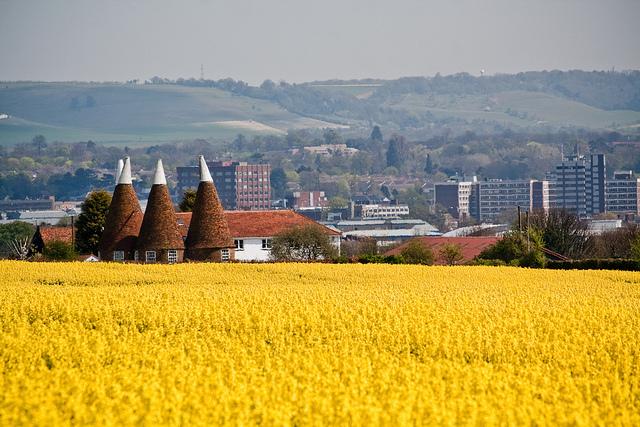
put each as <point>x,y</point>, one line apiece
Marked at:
<point>253,250</point>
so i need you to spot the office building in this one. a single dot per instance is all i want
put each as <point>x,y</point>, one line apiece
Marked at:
<point>622,193</point>
<point>578,184</point>
<point>240,185</point>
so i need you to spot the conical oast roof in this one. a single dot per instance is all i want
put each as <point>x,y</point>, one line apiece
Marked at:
<point>124,217</point>
<point>159,227</point>
<point>208,228</point>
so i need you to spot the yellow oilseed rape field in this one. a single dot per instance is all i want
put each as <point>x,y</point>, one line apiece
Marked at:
<point>309,344</point>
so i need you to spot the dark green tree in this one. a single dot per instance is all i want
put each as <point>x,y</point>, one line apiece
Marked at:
<point>90,223</point>
<point>376,134</point>
<point>451,253</point>
<point>40,142</point>
<point>563,232</point>
<point>188,200</point>
<point>416,253</point>
<point>58,250</point>
<point>396,152</point>
<point>308,243</point>
<point>278,183</point>
<point>428,166</point>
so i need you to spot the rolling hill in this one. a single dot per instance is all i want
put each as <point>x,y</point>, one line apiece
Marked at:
<point>168,111</point>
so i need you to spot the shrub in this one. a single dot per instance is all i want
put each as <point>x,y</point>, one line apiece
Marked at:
<point>416,253</point>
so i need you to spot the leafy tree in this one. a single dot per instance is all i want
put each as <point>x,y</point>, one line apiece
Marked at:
<point>188,200</point>
<point>428,166</point>
<point>516,249</point>
<point>14,231</point>
<point>397,152</point>
<point>376,134</point>
<point>416,253</point>
<point>58,250</point>
<point>451,253</point>
<point>635,248</point>
<point>563,232</point>
<point>40,142</point>
<point>278,183</point>
<point>307,243</point>
<point>90,223</point>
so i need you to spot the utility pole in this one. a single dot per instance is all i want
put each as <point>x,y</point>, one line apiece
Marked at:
<point>519,221</point>
<point>73,233</point>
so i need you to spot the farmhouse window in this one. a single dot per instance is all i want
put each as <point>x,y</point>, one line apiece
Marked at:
<point>118,255</point>
<point>135,256</point>
<point>172,256</point>
<point>224,255</point>
<point>266,243</point>
<point>150,256</point>
<point>239,244</point>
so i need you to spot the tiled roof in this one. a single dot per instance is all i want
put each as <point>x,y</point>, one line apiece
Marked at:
<point>123,221</point>
<point>208,228</point>
<point>469,246</point>
<point>266,223</point>
<point>159,228</point>
<point>50,234</point>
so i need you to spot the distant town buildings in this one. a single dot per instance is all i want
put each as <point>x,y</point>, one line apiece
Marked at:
<point>622,193</point>
<point>307,199</point>
<point>577,184</point>
<point>455,197</point>
<point>494,197</point>
<point>241,186</point>
<point>327,150</point>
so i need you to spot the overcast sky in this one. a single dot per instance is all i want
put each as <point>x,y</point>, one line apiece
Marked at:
<point>300,40</point>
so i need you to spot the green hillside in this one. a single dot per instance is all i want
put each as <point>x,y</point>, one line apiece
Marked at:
<point>185,110</point>
<point>118,113</point>
<point>516,108</point>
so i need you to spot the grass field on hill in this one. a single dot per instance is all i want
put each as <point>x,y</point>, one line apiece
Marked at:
<point>300,344</point>
<point>135,113</point>
<point>517,108</point>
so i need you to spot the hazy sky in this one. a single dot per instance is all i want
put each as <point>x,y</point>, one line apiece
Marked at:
<point>300,40</point>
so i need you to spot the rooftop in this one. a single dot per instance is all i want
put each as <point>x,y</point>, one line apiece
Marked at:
<point>265,223</point>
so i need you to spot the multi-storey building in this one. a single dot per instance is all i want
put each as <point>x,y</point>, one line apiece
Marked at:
<point>622,193</point>
<point>455,197</point>
<point>578,184</point>
<point>240,185</point>
<point>497,196</point>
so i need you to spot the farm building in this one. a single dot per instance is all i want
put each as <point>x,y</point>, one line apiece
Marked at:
<point>159,239</point>
<point>252,231</point>
<point>208,237</point>
<point>470,247</point>
<point>44,235</point>
<point>123,221</point>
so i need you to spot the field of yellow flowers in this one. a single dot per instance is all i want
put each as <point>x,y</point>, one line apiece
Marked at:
<point>205,344</point>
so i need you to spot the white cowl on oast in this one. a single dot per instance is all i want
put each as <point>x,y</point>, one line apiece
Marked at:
<point>119,170</point>
<point>158,177</point>
<point>125,175</point>
<point>205,175</point>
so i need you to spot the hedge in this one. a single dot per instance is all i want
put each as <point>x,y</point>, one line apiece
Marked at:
<point>596,264</point>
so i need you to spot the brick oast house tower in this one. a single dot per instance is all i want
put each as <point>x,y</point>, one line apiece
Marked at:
<point>123,220</point>
<point>208,238</point>
<point>159,239</point>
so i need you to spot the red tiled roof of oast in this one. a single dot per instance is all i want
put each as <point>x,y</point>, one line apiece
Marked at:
<point>469,246</point>
<point>159,229</point>
<point>257,223</point>
<point>50,234</point>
